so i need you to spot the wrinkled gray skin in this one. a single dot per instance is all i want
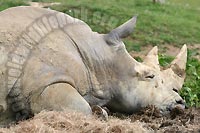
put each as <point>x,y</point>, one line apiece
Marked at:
<point>72,67</point>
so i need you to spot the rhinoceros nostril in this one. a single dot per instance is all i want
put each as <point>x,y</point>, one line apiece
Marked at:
<point>175,90</point>
<point>180,102</point>
<point>1,109</point>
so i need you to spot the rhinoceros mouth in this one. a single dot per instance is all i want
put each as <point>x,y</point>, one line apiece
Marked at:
<point>171,107</point>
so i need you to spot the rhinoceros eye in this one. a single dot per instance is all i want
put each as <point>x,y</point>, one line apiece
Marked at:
<point>150,76</point>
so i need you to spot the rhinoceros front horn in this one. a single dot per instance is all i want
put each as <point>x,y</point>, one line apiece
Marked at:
<point>122,31</point>
<point>178,65</point>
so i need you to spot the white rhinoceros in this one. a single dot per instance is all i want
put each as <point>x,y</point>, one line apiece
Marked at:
<point>51,61</point>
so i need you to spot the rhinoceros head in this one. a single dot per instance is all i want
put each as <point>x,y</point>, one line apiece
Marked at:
<point>142,84</point>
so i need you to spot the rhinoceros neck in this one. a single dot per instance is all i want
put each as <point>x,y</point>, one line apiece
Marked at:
<point>98,67</point>
<point>105,68</point>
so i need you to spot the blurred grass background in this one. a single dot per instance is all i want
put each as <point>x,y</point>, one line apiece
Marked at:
<point>174,23</point>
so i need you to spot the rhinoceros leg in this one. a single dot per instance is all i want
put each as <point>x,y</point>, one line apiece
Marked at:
<point>58,97</point>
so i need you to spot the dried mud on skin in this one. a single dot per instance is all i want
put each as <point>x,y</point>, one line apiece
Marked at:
<point>147,120</point>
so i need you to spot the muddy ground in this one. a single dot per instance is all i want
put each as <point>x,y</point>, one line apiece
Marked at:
<point>147,120</point>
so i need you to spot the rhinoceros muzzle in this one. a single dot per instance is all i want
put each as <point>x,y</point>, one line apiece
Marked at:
<point>180,105</point>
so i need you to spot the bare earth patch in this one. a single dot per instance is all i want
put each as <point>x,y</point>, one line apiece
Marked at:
<point>43,4</point>
<point>167,50</point>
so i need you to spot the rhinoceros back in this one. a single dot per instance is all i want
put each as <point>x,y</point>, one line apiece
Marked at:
<point>24,34</point>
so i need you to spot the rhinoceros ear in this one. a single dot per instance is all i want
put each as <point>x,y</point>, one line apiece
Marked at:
<point>122,31</point>
<point>152,58</point>
<point>178,65</point>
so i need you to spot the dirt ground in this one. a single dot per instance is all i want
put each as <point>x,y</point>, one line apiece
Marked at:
<point>167,50</point>
<point>183,121</point>
<point>42,4</point>
<point>177,121</point>
<point>146,121</point>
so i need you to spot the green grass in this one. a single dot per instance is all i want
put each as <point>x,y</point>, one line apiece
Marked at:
<point>175,23</point>
<point>171,23</point>
<point>191,89</point>
<point>4,4</point>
